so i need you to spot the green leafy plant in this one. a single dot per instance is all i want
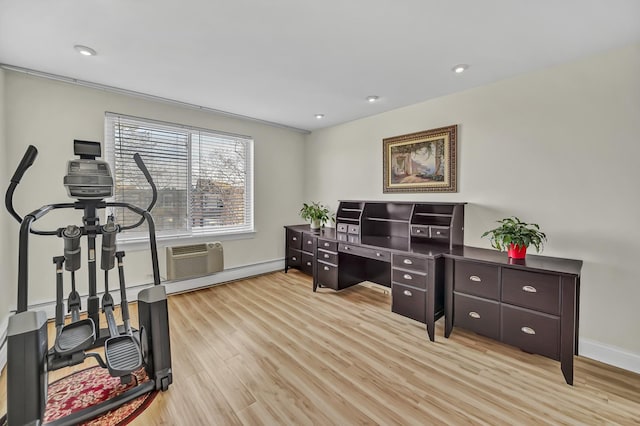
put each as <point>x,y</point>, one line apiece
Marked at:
<point>514,231</point>
<point>317,213</point>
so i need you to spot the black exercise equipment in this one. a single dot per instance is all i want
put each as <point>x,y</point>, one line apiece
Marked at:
<point>126,349</point>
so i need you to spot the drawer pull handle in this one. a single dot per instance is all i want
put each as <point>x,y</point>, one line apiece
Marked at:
<point>475,278</point>
<point>407,277</point>
<point>407,262</point>
<point>294,258</point>
<point>308,263</point>
<point>438,233</point>
<point>326,256</point>
<point>528,330</point>
<point>347,248</point>
<point>529,289</point>
<point>378,254</point>
<point>326,244</point>
<point>474,314</point>
<point>326,268</point>
<point>294,239</point>
<point>309,242</point>
<point>418,231</point>
<point>407,293</point>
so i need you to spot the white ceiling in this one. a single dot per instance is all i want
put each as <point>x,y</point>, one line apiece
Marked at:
<point>283,61</point>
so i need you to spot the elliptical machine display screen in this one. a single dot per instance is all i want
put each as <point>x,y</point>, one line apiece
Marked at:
<point>88,178</point>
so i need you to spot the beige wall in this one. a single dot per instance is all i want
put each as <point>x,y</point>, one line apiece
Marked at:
<point>50,114</point>
<point>7,281</point>
<point>559,147</point>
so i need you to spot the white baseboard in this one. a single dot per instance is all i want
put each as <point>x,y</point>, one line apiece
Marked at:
<point>608,354</point>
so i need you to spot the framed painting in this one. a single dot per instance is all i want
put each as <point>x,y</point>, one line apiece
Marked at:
<point>421,162</point>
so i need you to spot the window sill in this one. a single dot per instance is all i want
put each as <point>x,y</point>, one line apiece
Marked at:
<point>167,241</point>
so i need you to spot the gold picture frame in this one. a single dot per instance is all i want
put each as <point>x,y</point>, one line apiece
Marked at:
<point>421,162</point>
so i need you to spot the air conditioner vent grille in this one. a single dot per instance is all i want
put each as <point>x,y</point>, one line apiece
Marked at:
<point>194,260</point>
<point>193,248</point>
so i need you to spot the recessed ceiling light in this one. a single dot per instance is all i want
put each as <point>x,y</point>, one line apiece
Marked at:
<point>460,68</point>
<point>84,50</point>
<point>372,98</point>
<point>319,116</point>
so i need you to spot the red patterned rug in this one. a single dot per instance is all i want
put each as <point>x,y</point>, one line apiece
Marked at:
<point>90,387</point>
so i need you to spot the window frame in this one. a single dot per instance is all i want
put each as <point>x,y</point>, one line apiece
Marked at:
<point>190,234</point>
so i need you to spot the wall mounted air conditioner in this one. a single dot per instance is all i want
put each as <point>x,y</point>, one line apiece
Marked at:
<point>194,260</point>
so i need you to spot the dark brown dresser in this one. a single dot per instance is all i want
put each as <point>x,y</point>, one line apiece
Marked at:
<point>530,303</point>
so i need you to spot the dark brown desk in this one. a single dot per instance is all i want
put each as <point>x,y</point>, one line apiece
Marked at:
<point>413,249</point>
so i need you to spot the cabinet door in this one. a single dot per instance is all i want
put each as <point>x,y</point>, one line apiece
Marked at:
<point>408,302</point>
<point>327,245</point>
<point>411,278</point>
<point>308,243</point>
<point>411,263</point>
<point>538,291</point>
<point>481,316</point>
<point>294,239</point>
<point>531,331</point>
<point>327,275</point>
<point>306,264</point>
<point>328,256</point>
<point>295,258</point>
<point>478,279</point>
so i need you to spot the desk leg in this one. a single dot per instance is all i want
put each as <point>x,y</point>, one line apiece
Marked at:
<point>448,297</point>
<point>568,327</point>
<point>430,320</point>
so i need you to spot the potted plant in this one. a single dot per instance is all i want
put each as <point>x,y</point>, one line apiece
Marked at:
<point>317,213</point>
<point>515,236</point>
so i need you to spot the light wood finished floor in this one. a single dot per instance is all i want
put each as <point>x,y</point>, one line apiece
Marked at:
<point>267,351</point>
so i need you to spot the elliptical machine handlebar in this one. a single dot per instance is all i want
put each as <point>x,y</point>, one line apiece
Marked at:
<point>27,161</point>
<point>143,168</point>
<point>145,172</point>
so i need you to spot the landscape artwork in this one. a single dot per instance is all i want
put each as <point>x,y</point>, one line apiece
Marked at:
<point>421,162</point>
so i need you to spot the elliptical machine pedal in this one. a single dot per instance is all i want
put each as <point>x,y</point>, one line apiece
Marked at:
<point>75,337</point>
<point>123,355</point>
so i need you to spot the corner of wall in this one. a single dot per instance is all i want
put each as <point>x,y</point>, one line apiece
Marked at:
<point>4,289</point>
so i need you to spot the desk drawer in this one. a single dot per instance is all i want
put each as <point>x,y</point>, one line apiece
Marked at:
<point>327,256</point>
<point>294,239</point>
<point>478,315</point>
<point>306,264</point>
<point>531,331</point>
<point>420,231</point>
<point>408,302</point>
<point>328,245</point>
<point>353,229</point>
<point>439,232</point>
<point>409,262</point>
<point>308,243</point>
<point>342,227</point>
<point>327,275</point>
<point>478,279</point>
<point>385,256</point>
<point>294,257</point>
<point>414,279</point>
<point>533,290</point>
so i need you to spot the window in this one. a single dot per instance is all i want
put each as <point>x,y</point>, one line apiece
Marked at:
<point>204,178</point>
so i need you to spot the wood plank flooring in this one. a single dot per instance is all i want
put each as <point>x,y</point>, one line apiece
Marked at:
<point>267,351</point>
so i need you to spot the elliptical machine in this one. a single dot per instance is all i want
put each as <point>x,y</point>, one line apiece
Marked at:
<point>126,349</point>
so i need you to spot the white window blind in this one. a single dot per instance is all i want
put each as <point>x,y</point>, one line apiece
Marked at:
<point>204,178</point>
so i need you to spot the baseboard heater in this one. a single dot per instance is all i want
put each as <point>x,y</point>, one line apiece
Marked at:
<point>194,260</point>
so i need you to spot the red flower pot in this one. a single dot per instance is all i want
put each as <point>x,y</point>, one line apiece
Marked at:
<point>517,252</point>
